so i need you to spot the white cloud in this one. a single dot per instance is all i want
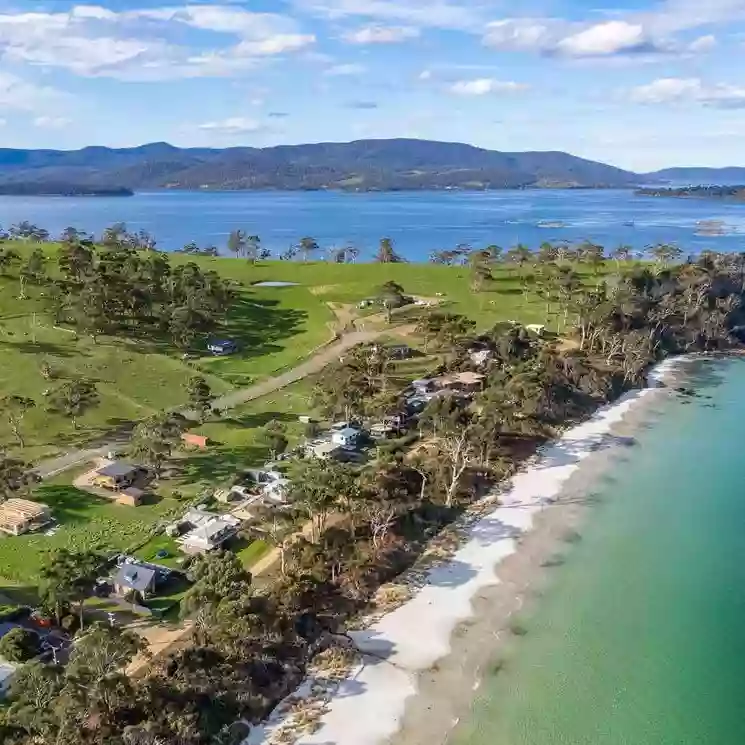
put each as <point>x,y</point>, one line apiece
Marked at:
<point>523,34</point>
<point>381,34</point>
<point>52,122</point>
<point>425,75</point>
<point>703,44</point>
<point>690,90</point>
<point>433,14</point>
<point>233,125</point>
<point>345,69</point>
<point>278,44</point>
<point>139,44</point>
<point>16,93</point>
<point>612,37</point>
<point>636,36</point>
<point>484,86</point>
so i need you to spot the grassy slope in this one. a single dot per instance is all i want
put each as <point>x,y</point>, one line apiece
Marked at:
<point>85,522</point>
<point>276,329</point>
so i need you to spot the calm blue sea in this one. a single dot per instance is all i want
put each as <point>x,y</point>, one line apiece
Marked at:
<point>640,639</point>
<point>418,222</point>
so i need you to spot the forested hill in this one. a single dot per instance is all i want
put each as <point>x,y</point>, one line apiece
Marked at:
<point>731,175</point>
<point>731,193</point>
<point>365,165</point>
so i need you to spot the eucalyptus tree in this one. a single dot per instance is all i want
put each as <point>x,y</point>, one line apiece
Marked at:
<point>15,408</point>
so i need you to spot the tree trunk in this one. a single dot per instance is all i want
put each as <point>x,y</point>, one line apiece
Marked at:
<point>17,434</point>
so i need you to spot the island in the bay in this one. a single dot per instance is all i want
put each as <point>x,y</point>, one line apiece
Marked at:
<point>49,189</point>
<point>735,193</point>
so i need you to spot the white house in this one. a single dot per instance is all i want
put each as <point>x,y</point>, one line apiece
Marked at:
<point>206,531</point>
<point>348,437</point>
<point>277,491</point>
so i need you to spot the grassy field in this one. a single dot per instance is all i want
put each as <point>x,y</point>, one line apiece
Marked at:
<point>276,328</point>
<point>85,522</point>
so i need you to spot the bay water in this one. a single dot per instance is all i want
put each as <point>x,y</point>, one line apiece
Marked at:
<point>417,222</point>
<point>640,636</point>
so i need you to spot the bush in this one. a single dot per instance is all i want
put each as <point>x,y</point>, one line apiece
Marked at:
<point>70,623</point>
<point>19,645</point>
<point>12,612</point>
<point>402,443</point>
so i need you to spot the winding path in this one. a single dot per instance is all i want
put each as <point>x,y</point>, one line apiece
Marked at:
<point>314,364</point>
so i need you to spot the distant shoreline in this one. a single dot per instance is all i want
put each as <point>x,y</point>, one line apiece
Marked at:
<point>719,193</point>
<point>62,190</point>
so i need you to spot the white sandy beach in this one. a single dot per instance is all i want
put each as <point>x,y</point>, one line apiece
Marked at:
<point>369,705</point>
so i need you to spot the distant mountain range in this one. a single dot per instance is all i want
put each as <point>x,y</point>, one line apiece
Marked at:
<point>722,176</point>
<point>364,165</point>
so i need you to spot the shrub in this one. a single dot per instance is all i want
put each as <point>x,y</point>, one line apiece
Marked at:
<point>19,645</point>
<point>70,623</point>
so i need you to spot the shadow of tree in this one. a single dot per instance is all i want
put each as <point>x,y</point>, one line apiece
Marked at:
<point>68,504</point>
<point>219,465</point>
<point>45,348</point>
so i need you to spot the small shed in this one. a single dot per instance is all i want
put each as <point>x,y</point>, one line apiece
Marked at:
<point>401,351</point>
<point>382,430</point>
<point>130,497</point>
<point>194,440</point>
<point>222,347</point>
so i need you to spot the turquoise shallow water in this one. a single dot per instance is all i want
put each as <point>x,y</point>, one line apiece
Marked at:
<point>640,637</point>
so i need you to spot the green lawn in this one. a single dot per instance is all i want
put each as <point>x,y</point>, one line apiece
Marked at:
<point>85,522</point>
<point>161,542</point>
<point>252,552</point>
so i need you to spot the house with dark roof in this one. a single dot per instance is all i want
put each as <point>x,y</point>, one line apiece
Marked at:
<point>222,347</point>
<point>117,475</point>
<point>133,577</point>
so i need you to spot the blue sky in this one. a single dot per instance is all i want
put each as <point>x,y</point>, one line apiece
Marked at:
<point>636,83</point>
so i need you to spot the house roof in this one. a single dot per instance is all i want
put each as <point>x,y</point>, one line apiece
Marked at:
<point>469,378</point>
<point>134,576</point>
<point>348,432</point>
<point>421,382</point>
<point>134,492</point>
<point>207,533</point>
<point>16,513</point>
<point>118,468</point>
<point>324,448</point>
